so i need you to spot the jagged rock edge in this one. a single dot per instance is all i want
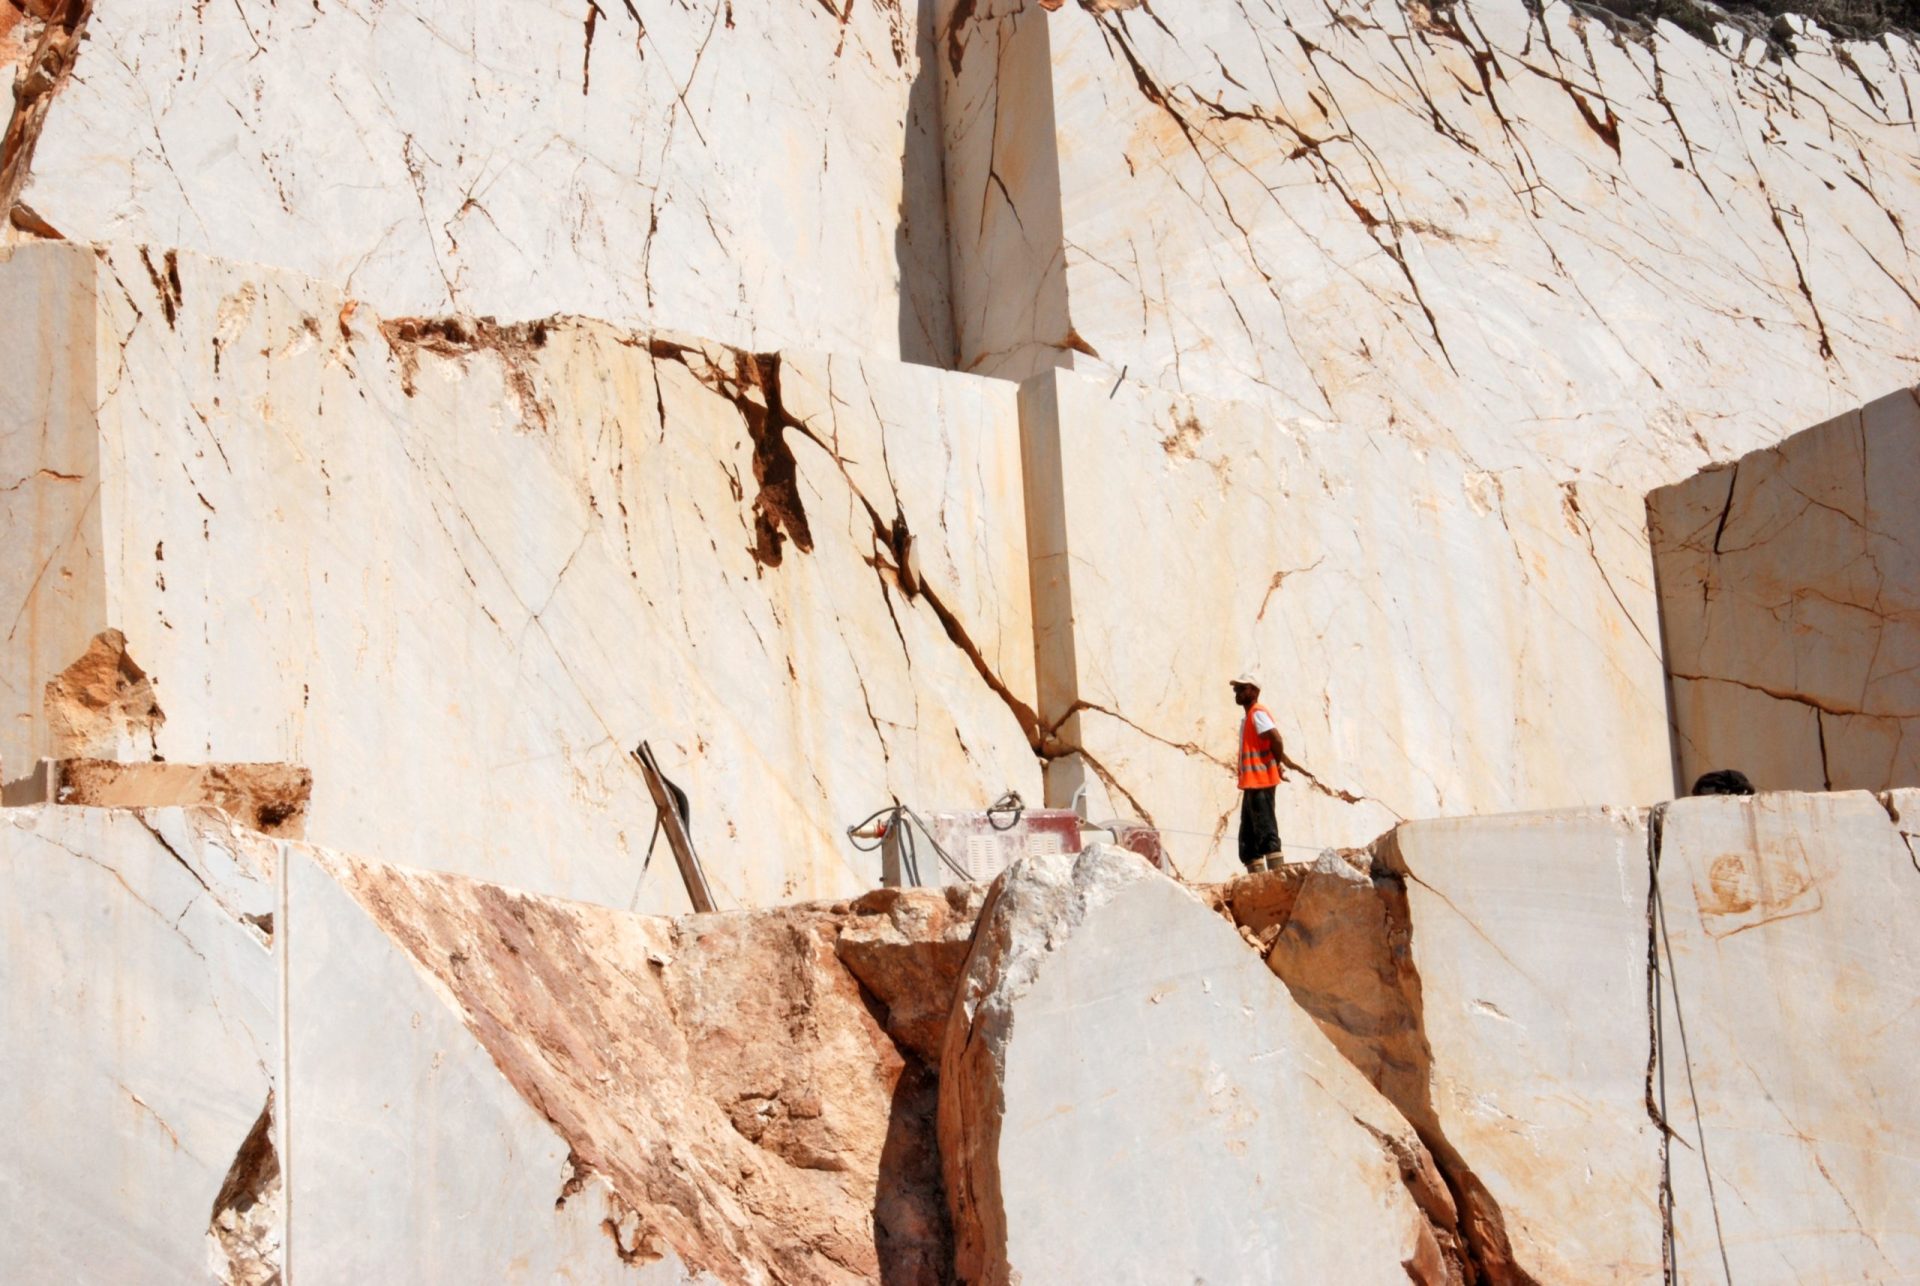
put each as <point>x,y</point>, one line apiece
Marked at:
<point>244,1247</point>
<point>980,1028</point>
<point>1484,1247</point>
<point>39,79</point>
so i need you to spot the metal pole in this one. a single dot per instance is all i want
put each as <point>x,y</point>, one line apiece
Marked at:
<point>668,818</point>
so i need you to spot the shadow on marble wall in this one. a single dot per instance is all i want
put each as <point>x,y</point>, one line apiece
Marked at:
<point>920,237</point>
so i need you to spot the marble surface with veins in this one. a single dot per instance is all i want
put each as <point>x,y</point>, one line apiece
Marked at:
<point>1432,638</point>
<point>767,175</point>
<point>459,569</point>
<point>1790,606</point>
<point>1513,230</point>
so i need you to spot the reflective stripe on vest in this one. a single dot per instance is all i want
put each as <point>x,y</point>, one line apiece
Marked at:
<point>1259,766</point>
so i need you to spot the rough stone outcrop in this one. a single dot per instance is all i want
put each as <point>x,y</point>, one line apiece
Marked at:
<point>1127,1096</point>
<point>722,1073</point>
<point>411,1154</point>
<point>103,705</point>
<point>1790,606</point>
<point>908,947</point>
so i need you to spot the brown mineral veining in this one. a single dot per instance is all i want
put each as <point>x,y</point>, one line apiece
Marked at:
<point>269,798</point>
<point>727,1074</point>
<point>759,1088</point>
<point>55,28</point>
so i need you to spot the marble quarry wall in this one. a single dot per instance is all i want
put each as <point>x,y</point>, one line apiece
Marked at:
<point>1378,319</point>
<point>1790,603</point>
<point>1368,584</point>
<point>498,556</point>
<point>765,175</point>
<point>458,569</point>
<point>1591,1045</point>
<point>404,412</point>
<point>1601,250</point>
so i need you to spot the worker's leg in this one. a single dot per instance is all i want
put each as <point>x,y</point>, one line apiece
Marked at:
<point>1270,829</point>
<point>1259,832</point>
<point>1250,850</point>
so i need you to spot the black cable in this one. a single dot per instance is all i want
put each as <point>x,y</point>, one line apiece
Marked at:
<point>1007,803</point>
<point>898,814</point>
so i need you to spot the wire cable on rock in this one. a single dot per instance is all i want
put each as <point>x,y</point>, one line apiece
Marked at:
<point>895,814</point>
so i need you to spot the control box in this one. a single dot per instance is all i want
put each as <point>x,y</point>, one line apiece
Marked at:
<point>978,845</point>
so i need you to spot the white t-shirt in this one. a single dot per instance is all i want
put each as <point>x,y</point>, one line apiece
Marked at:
<point>1262,721</point>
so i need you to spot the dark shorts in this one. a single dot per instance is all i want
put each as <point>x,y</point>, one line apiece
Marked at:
<point>1259,832</point>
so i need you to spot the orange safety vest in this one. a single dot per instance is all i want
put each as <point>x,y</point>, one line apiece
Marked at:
<point>1259,765</point>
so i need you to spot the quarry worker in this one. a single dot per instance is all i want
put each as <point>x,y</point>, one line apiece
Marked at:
<point>1260,774</point>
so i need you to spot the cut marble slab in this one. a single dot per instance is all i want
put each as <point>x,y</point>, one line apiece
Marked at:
<point>1590,251</point>
<point>1526,944</point>
<point>459,569</point>
<point>1789,1002</point>
<point>139,1047</point>
<point>50,570</point>
<point>1432,638</point>
<point>1790,605</point>
<point>766,175</point>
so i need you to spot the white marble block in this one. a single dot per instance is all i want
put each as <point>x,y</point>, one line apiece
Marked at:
<point>1786,1027</point>
<point>139,1047</point>
<point>459,569</point>
<point>1790,605</point>
<point>766,175</point>
<point>1635,1038</point>
<point>1551,243</point>
<point>1527,938</point>
<point>1127,1096</point>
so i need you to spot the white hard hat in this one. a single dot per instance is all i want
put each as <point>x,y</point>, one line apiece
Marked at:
<point>1245,681</point>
